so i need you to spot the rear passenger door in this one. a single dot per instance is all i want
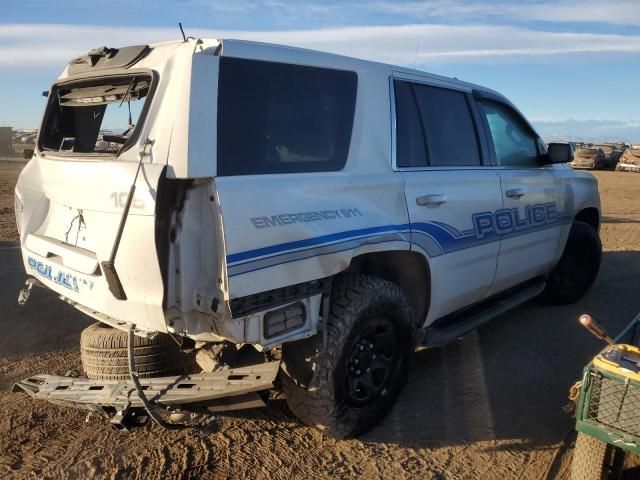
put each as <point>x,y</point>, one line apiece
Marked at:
<point>441,158</point>
<point>295,205</point>
<point>529,223</point>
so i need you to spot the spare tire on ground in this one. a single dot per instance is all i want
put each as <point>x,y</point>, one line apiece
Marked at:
<point>103,350</point>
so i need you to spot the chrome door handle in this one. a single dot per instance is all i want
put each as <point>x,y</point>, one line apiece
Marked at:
<point>515,193</point>
<point>425,200</point>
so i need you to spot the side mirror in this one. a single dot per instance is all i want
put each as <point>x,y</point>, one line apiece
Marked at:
<point>27,153</point>
<point>559,153</point>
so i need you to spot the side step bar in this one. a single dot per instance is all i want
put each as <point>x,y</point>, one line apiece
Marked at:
<point>226,389</point>
<point>446,332</point>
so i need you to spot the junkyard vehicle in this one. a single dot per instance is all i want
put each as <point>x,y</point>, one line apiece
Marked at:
<point>273,209</point>
<point>591,158</point>
<point>629,161</point>
<point>608,408</point>
<point>611,154</point>
<point>620,146</point>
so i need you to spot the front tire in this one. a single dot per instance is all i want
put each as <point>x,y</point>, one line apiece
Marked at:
<point>346,383</point>
<point>578,267</point>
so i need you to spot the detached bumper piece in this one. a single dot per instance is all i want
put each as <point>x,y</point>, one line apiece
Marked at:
<point>628,167</point>
<point>224,390</point>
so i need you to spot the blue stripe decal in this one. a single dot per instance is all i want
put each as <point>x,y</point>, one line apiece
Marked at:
<point>455,232</point>
<point>435,238</point>
<point>252,266</point>
<point>311,242</point>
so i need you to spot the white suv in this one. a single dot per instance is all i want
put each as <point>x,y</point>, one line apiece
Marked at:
<point>344,210</point>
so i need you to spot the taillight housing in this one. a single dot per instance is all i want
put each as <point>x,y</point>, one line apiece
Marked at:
<point>19,209</point>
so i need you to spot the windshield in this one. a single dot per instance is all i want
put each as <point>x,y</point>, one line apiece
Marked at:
<point>587,152</point>
<point>605,148</point>
<point>94,117</point>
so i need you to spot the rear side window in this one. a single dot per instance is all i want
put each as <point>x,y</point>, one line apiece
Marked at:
<point>281,118</point>
<point>434,127</point>
<point>410,149</point>
<point>449,129</point>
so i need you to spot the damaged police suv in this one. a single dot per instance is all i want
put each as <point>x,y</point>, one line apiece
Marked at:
<point>231,212</point>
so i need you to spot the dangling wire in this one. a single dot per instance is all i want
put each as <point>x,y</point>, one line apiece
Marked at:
<point>133,375</point>
<point>126,93</point>
<point>127,97</point>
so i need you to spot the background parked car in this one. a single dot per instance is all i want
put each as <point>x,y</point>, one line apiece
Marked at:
<point>611,152</point>
<point>589,158</point>
<point>630,160</point>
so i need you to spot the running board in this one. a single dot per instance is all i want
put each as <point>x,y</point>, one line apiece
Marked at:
<point>446,332</point>
<point>227,389</point>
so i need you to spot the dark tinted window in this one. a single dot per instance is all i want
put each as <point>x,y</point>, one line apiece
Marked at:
<point>449,129</point>
<point>410,149</point>
<point>280,118</point>
<point>514,142</point>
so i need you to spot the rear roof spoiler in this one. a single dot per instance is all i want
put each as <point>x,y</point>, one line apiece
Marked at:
<point>105,57</point>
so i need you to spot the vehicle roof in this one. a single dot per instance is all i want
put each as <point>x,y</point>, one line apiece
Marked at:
<point>269,51</point>
<point>235,47</point>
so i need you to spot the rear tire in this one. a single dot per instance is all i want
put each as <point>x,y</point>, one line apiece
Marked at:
<point>103,350</point>
<point>578,267</point>
<point>346,385</point>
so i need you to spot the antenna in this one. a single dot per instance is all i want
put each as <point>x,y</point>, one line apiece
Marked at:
<point>184,37</point>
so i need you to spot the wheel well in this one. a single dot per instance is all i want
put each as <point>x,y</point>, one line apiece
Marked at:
<point>591,216</point>
<point>409,270</point>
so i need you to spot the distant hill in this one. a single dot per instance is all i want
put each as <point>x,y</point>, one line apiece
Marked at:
<point>595,131</point>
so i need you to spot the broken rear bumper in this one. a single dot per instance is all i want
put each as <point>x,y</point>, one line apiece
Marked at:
<point>584,165</point>
<point>226,389</point>
<point>630,167</point>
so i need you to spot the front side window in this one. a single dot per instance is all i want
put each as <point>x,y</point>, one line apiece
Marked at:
<point>282,118</point>
<point>94,116</point>
<point>514,143</point>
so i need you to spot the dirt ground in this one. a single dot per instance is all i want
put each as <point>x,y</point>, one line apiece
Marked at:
<point>487,406</point>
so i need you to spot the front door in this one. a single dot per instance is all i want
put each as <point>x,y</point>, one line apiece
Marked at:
<point>530,221</point>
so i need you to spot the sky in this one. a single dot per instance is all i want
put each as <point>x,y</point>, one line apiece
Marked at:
<point>571,66</point>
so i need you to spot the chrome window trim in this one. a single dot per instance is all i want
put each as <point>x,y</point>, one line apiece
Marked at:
<point>394,123</point>
<point>480,128</point>
<point>392,102</point>
<point>432,81</point>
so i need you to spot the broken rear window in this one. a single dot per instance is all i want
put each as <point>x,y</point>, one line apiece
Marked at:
<point>94,117</point>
